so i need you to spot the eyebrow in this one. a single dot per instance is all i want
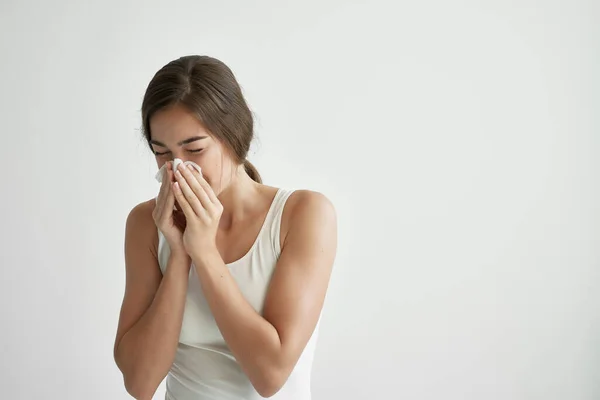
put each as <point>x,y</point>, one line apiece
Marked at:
<point>186,141</point>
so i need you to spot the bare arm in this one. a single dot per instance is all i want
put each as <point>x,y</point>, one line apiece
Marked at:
<point>269,346</point>
<point>152,310</point>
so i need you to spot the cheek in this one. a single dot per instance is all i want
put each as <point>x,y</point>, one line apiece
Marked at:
<point>210,177</point>
<point>211,168</point>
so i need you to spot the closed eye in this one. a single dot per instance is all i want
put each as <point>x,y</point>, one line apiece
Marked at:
<point>167,152</point>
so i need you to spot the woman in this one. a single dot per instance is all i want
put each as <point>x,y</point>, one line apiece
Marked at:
<point>225,277</point>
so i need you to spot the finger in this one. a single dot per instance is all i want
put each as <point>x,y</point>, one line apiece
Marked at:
<point>164,182</point>
<point>191,176</point>
<point>160,199</point>
<point>187,209</point>
<point>212,197</point>
<point>171,178</point>
<point>170,201</point>
<point>188,194</point>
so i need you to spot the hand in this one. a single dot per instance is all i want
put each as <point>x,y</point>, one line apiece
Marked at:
<point>170,223</point>
<point>202,210</point>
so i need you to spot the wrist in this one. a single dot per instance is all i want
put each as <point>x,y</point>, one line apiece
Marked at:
<point>179,258</point>
<point>206,255</point>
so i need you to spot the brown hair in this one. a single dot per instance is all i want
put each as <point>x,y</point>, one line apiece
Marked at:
<point>208,88</point>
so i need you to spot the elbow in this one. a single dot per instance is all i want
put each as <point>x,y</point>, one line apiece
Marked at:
<point>271,381</point>
<point>136,381</point>
<point>141,383</point>
<point>138,388</point>
<point>268,389</point>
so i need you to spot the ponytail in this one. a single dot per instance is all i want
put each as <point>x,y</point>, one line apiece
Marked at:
<point>252,171</point>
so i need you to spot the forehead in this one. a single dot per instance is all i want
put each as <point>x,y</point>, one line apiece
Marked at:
<point>174,124</point>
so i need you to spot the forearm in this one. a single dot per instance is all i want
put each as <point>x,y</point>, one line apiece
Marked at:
<point>146,352</point>
<point>254,341</point>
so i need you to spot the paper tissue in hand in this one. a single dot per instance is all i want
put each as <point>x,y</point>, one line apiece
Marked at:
<point>176,162</point>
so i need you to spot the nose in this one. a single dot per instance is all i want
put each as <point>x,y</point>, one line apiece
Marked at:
<point>176,162</point>
<point>179,156</point>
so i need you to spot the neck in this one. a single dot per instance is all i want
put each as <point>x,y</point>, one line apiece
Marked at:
<point>238,199</point>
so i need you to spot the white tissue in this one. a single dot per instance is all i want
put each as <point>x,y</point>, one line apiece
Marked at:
<point>176,162</point>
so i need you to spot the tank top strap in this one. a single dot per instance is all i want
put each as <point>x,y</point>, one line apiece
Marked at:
<point>275,223</point>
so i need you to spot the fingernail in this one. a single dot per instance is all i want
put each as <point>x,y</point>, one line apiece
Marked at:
<point>191,167</point>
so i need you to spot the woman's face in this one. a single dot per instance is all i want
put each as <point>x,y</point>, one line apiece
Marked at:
<point>177,133</point>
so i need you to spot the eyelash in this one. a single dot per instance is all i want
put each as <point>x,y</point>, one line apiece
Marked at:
<point>195,151</point>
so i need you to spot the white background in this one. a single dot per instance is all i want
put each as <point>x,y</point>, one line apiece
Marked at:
<point>457,139</point>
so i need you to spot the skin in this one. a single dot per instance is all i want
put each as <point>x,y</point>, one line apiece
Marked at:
<point>219,214</point>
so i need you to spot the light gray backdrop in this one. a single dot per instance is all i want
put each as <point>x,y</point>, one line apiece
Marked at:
<point>457,139</point>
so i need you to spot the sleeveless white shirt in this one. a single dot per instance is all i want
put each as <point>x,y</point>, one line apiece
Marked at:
<point>204,367</point>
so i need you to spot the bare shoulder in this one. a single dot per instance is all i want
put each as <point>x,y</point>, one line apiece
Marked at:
<point>306,208</point>
<point>140,228</point>
<point>308,201</point>
<point>140,216</point>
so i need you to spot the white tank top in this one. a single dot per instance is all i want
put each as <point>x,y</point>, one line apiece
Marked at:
<point>204,367</point>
